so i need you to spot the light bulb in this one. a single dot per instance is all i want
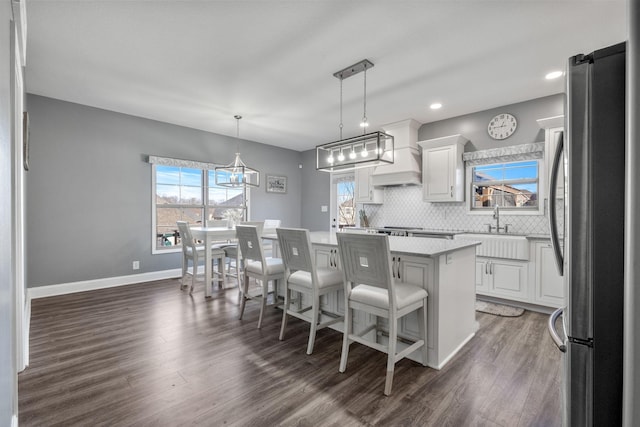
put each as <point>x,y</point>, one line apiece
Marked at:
<point>364,124</point>
<point>364,152</point>
<point>435,106</point>
<point>340,157</point>
<point>352,154</point>
<point>330,158</point>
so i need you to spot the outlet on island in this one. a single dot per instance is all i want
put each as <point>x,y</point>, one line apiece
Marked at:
<point>136,265</point>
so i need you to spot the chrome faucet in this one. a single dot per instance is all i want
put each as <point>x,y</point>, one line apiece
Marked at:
<point>496,216</point>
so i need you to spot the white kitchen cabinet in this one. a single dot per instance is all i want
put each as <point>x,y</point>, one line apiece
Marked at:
<point>548,284</point>
<point>418,271</point>
<point>482,282</point>
<point>503,278</point>
<point>366,193</point>
<point>443,169</point>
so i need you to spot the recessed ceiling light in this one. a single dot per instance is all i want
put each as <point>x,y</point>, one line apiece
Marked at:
<point>435,105</point>
<point>553,75</point>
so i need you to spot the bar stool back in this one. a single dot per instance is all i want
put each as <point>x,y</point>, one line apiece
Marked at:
<point>302,275</point>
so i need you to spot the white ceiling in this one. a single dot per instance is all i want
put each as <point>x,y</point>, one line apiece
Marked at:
<point>198,63</point>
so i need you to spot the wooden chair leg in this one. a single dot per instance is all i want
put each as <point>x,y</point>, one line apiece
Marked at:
<point>315,311</point>
<point>391,360</point>
<point>348,330</point>
<point>287,302</point>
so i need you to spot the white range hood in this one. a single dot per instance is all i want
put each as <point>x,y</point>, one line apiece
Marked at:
<point>406,168</point>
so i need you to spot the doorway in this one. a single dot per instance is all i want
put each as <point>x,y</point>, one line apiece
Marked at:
<point>343,209</point>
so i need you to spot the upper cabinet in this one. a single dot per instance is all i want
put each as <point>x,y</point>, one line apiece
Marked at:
<point>366,193</point>
<point>443,169</point>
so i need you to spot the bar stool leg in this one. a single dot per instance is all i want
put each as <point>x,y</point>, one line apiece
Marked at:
<point>391,359</point>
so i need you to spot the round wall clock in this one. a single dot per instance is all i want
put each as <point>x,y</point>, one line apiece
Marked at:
<point>502,126</point>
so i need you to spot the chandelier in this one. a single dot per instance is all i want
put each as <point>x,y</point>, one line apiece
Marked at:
<point>366,150</point>
<point>237,174</point>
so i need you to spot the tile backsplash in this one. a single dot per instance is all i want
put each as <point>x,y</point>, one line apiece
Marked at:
<point>403,207</point>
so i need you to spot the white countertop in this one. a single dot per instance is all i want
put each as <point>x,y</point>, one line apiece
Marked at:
<point>416,246</point>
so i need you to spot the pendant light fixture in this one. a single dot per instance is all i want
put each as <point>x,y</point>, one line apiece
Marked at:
<point>237,174</point>
<point>366,150</point>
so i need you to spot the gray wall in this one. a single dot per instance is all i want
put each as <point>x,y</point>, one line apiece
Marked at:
<point>89,188</point>
<point>474,126</point>
<point>315,193</point>
<point>7,309</point>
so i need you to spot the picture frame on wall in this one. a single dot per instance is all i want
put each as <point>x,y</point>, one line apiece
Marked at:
<point>276,184</point>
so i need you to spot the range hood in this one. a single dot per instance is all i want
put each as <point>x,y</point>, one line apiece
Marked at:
<point>406,168</point>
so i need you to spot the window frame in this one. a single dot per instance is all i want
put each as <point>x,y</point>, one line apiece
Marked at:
<point>531,211</point>
<point>205,206</point>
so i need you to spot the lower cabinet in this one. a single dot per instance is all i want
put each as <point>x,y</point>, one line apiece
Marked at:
<point>536,281</point>
<point>417,271</point>
<point>549,285</point>
<point>503,278</point>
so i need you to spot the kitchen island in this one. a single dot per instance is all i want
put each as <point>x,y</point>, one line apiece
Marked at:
<point>445,268</point>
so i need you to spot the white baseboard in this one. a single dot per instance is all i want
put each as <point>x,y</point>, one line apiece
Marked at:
<point>90,285</point>
<point>14,421</point>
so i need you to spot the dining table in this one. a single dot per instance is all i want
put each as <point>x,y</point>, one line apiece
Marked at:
<point>211,235</point>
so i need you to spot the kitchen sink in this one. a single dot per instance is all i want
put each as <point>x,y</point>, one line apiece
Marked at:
<point>510,246</point>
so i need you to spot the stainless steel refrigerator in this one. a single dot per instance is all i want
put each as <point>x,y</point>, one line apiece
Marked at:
<point>586,214</point>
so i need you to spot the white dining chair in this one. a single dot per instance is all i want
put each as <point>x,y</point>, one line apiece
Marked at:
<point>303,276</point>
<point>233,254</point>
<point>369,286</point>
<point>193,252</point>
<point>257,266</point>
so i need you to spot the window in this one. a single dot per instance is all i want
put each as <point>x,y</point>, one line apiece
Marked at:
<point>342,200</point>
<point>188,194</point>
<point>346,204</point>
<point>512,185</point>
<point>178,197</point>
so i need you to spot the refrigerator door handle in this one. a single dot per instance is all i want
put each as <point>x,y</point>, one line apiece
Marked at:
<point>553,332</point>
<point>553,221</point>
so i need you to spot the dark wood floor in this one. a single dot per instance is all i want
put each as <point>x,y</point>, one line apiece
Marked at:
<point>150,354</point>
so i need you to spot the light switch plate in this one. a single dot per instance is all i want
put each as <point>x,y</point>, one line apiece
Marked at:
<point>324,208</point>
<point>449,258</point>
